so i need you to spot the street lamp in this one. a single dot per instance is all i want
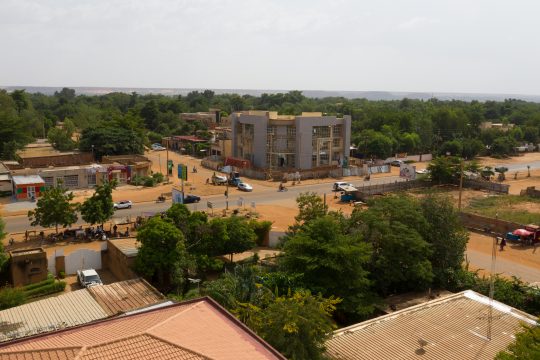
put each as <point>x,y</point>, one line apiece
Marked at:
<point>93,152</point>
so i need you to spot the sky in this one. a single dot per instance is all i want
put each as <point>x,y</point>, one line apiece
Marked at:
<point>476,46</point>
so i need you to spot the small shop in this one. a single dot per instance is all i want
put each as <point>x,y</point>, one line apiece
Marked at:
<point>28,187</point>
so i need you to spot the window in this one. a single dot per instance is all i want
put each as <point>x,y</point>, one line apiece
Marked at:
<point>122,177</point>
<point>291,131</point>
<point>49,181</point>
<point>92,179</point>
<point>321,131</point>
<point>336,143</point>
<point>71,181</point>
<point>337,129</point>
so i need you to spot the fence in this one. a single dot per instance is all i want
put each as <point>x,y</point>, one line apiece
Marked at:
<point>486,185</point>
<point>483,223</point>
<point>365,192</point>
<point>530,191</point>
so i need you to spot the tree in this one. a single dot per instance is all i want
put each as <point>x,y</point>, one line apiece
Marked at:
<point>310,207</point>
<point>444,169</point>
<point>447,236</point>
<point>323,253</point>
<point>54,208</point>
<point>526,345</point>
<point>161,252</point>
<point>3,256</point>
<point>240,236</point>
<point>298,325</point>
<point>111,140</point>
<point>99,207</point>
<point>21,101</point>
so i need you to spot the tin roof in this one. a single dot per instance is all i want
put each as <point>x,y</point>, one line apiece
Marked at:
<point>196,329</point>
<point>452,327</point>
<point>67,310</point>
<point>27,180</point>
<point>126,295</point>
<point>128,246</point>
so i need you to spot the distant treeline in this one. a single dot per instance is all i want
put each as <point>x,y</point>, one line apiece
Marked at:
<point>380,128</point>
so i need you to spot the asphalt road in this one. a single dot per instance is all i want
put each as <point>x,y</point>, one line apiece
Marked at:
<point>520,167</point>
<point>260,195</point>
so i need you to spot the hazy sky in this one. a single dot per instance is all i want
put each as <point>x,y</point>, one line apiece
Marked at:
<point>490,46</point>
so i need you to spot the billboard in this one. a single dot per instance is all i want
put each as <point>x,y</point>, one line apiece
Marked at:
<point>177,196</point>
<point>407,171</point>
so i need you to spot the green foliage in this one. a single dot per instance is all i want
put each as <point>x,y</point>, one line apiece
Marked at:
<point>3,256</point>
<point>322,252</point>
<point>54,208</point>
<point>240,236</point>
<point>112,140</point>
<point>45,289</point>
<point>161,251</point>
<point>310,207</point>
<point>526,345</point>
<point>60,138</point>
<point>261,229</point>
<point>99,208</point>
<point>504,206</point>
<point>158,177</point>
<point>11,297</point>
<point>444,169</point>
<point>49,280</point>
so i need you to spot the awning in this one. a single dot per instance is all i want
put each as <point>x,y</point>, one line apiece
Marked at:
<point>522,232</point>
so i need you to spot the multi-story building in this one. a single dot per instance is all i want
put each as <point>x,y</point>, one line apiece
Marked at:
<point>272,141</point>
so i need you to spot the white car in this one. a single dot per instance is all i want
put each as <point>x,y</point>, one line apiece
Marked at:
<point>338,186</point>
<point>88,278</point>
<point>124,204</point>
<point>157,147</point>
<point>245,187</point>
<point>422,171</point>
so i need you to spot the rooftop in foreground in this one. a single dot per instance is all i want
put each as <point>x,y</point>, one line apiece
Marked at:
<point>195,329</point>
<point>452,327</point>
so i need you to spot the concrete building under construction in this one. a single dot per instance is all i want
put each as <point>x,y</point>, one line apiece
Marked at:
<point>272,141</point>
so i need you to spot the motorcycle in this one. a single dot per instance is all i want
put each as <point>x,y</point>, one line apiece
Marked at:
<point>160,199</point>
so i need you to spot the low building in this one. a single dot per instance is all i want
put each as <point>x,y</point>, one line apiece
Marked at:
<point>28,266</point>
<point>451,327</point>
<point>77,308</point>
<point>120,257</point>
<point>210,119</point>
<point>6,188</point>
<point>499,126</point>
<point>72,177</point>
<point>185,144</point>
<point>194,329</point>
<point>123,167</point>
<point>27,187</point>
<point>221,144</point>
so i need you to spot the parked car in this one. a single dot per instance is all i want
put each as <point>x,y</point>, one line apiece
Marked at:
<point>397,163</point>
<point>124,204</point>
<point>189,199</point>
<point>219,180</point>
<point>245,187</point>
<point>88,278</point>
<point>422,171</point>
<point>157,147</point>
<point>338,186</point>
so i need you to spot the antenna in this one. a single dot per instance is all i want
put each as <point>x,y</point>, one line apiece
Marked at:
<point>492,280</point>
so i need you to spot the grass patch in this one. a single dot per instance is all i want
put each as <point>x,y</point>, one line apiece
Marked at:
<point>502,205</point>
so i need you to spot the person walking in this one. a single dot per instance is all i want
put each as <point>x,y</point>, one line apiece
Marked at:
<point>502,245</point>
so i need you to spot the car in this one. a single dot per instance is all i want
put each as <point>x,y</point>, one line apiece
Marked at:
<point>396,163</point>
<point>422,171</point>
<point>189,199</point>
<point>219,180</point>
<point>124,204</point>
<point>157,147</point>
<point>245,187</point>
<point>88,278</point>
<point>338,186</point>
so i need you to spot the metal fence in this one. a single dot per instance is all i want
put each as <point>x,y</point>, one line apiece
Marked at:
<point>486,185</point>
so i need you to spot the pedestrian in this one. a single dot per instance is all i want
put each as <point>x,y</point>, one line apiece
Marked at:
<point>11,241</point>
<point>207,181</point>
<point>115,228</point>
<point>502,245</point>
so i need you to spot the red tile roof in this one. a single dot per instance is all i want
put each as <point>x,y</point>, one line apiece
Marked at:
<point>198,329</point>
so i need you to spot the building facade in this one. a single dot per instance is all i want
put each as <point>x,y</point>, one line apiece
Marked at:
<point>272,141</point>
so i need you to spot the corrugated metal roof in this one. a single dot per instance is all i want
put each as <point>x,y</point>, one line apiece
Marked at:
<point>71,309</point>
<point>128,247</point>
<point>27,179</point>
<point>452,327</point>
<point>126,295</point>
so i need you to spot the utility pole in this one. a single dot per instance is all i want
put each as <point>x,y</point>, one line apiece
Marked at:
<point>492,283</point>
<point>167,147</point>
<point>460,182</point>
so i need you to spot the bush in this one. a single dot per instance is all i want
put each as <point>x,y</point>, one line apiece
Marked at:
<point>137,180</point>
<point>46,289</point>
<point>61,274</point>
<point>149,181</point>
<point>158,177</point>
<point>10,297</point>
<point>48,281</point>
<point>261,229</point>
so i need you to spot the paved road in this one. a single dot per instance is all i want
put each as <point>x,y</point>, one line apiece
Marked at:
<point>502,266</point>
<point>261,195</point>
<point>520,167</point>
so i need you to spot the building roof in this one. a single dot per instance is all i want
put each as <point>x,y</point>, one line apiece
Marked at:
<point>196,329</point>
<point>190,138</point>
<point>66,310</point>
<point>128,246</point>
<point>125,296</point>
<point>27,179</point>
<point>454,327</point>
<point>77,308</point>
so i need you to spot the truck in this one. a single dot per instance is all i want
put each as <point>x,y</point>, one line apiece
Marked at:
<point>88,277</point>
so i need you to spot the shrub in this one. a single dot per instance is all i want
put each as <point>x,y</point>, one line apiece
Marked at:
<point>61,274</point>
<point>149,181</point>
<point>158,177</point>
<point>137,180</point>
<point>261,229</point>
<point>46,289</point>
<point>10,297</point>
<point>48,281</point>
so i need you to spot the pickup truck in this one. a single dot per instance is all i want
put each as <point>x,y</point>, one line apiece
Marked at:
<point>88,278</point>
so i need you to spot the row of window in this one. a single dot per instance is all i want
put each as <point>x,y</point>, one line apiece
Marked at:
<point>69,181</point>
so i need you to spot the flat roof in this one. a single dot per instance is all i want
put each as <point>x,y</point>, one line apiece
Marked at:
<point>128,247</point>
<point>452,327</point>
<point>27,179</point>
